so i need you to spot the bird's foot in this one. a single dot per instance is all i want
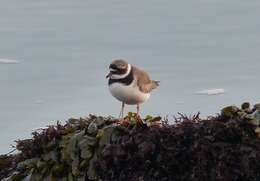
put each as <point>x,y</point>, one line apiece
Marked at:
<point>123,121</point>
<point>139,120</point>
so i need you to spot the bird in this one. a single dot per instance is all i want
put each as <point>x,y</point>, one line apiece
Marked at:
<point>129,84</point>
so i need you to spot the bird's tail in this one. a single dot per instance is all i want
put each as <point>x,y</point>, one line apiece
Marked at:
<point>155,84</point>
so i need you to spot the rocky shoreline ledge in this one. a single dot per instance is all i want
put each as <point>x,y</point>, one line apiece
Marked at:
<point>223,147</point>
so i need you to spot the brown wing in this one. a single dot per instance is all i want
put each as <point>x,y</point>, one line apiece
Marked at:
<point>144,83</point>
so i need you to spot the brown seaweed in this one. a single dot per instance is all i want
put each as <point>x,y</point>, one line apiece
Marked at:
<point>223,147</point>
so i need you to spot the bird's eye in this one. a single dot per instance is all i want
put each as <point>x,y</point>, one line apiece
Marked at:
<point>113,67</point>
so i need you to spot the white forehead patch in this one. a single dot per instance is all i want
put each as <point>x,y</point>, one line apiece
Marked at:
<point>112,70</point>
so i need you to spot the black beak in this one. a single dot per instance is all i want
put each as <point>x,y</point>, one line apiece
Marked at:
<point>109,75</point>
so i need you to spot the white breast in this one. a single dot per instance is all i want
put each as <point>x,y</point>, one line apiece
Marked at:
<point>128,94</point>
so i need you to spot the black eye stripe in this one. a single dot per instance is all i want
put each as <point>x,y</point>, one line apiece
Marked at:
<point>113,66</point>
<point>119,71</point>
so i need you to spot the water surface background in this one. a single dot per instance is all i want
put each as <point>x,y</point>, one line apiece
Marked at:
<point>64,48</point>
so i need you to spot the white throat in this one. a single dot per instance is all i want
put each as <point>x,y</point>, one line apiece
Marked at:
<point>116,76</point>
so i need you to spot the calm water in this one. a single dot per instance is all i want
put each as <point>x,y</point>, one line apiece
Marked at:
<point>64,48</point>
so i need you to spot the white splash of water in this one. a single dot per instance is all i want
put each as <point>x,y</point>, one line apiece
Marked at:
<point>211,92</point>
<point>8,61</point>
<point>39,101</point>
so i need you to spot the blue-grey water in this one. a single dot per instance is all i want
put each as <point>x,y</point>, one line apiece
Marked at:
<point>64,47</point>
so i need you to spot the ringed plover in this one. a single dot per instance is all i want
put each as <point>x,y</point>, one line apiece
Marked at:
<point>129,84</point>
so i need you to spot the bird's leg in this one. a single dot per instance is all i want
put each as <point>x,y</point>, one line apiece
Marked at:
<point>123,107</point>
<point>137,109</point>
<point>138,118</point>
<point>121,114</point>
<point>121,119</point>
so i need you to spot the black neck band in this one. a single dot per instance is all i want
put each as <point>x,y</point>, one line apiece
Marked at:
<point>126,81</point>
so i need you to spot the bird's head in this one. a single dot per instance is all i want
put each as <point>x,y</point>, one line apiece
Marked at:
<point>118,69</point>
